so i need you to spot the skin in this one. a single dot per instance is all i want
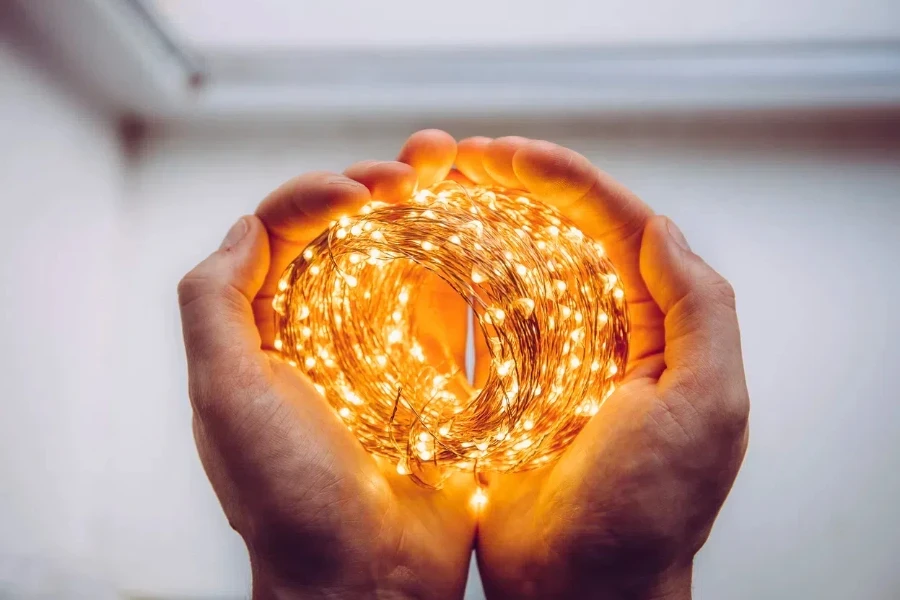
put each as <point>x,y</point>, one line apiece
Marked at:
<point>620,515</point>
<point>628,505</point>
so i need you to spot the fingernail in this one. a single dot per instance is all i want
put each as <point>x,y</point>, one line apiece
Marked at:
<point>235,234</point>
<point>677,236</point>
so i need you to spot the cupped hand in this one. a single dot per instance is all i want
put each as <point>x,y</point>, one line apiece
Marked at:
<point>320,516</point>
<point>627,506</point>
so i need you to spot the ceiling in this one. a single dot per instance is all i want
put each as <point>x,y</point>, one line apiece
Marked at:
<point>244,25</point>
<point>306,60</point>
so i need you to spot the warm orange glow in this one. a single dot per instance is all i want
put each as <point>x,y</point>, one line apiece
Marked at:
<point>548,303</point>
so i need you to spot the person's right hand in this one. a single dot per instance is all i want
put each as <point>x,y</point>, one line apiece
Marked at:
<point>630,502</point>
<point>320,516</point>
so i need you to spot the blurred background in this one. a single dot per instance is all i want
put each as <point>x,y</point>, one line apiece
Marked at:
<point>133,133</point>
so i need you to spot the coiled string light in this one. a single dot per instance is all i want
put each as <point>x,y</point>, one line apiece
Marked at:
<point>547,300</point>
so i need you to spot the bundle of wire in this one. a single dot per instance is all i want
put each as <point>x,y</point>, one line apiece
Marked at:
<point>546,299</point>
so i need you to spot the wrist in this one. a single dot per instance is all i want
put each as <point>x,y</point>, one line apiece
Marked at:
<point>674,584</point>
<point>269,588</point>
<point>544,581</point>
<point>271,583</point>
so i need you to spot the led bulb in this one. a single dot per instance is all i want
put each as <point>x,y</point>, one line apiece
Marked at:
<point>479,499</point>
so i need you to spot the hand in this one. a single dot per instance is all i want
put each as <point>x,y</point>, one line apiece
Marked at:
<point>320,516</point>
<point>627,506</point>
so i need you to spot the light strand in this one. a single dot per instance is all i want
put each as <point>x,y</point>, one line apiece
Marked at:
<point>547,300</point>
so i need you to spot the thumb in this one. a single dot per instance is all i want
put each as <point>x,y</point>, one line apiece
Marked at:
<point>216,315</point>
<point>703,346</point>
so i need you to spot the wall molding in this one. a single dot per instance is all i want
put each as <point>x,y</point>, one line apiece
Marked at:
<point>140,65</point>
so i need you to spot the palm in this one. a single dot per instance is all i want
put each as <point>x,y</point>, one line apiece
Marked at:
<point>637,491</point>
<point>320,516</point>
<point>618,462</point>
<point>333,512</point>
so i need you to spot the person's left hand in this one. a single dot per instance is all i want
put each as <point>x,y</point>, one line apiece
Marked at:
<point>320,516</point>
<point>628,504</point>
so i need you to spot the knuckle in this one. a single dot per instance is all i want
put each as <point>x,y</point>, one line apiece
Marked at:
<point>361,166</point>
<point>192,287</point>
<point>198,393</point>
<point>711,402</point>
<point>215,392</point>
<point>315,176</point>
<point>204,391</point>
<point>736,413</point>
<point>196,287</point>
<point>721,292</point>
<point>326,180</point>
<point>330,190</point>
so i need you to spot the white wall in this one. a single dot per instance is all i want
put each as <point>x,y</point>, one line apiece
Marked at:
<point>60,177</point>
<point>804,220</point>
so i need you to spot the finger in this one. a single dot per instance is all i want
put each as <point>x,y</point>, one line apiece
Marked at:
<point>387,181</point>
<point>703,345</point>
<point>607,212</point>
<point>431,153</point>
<point>458,177</point>
<point>488,162</point>
<point>603,208</point>
<point>498,160</point>
<point>441,324</point>
<point>470,159</point>
<point>437,305</point>
<point>220,336</point>
<point>293,216</point>
<point>482,367</point>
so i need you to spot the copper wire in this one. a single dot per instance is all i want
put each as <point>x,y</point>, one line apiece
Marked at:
<point>546,298</point>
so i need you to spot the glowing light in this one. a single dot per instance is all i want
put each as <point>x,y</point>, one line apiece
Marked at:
<point>526,305</point>
<point>479,499</point>
<point>550,307</point>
